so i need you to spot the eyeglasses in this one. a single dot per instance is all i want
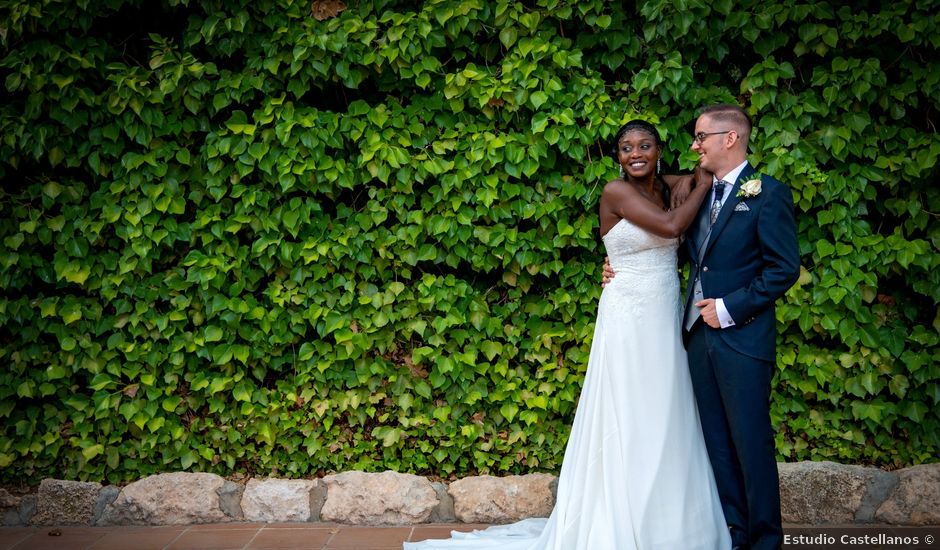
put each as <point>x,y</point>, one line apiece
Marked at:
<point>700,137</point>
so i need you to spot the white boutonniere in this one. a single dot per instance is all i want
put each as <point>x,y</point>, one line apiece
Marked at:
<point>750,188</point>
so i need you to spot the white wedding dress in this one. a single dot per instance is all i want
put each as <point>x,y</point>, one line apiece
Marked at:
<point>635,473</point>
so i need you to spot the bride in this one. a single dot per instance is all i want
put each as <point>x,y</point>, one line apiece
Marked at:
<point>635,473</point>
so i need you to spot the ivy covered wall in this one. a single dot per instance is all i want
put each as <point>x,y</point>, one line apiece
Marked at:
<point>276,236</point>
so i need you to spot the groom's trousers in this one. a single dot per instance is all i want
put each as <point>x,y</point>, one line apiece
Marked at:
<point>733,396</point>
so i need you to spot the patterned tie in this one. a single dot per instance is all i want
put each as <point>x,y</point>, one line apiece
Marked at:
<point>716,204</point>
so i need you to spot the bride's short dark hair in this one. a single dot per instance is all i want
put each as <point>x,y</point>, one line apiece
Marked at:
<point>635,124</point>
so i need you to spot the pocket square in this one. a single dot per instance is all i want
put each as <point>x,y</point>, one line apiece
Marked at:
<point>742,207</point>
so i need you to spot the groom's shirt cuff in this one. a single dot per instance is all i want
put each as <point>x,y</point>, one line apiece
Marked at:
<point>724,318</point>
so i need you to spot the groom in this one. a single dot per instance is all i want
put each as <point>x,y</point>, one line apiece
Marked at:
<point>744,255</point>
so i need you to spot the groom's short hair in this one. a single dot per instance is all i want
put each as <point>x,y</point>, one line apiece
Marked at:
<point>733,115</point>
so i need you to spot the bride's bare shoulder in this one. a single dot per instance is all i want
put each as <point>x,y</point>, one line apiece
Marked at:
<point>617,188</point>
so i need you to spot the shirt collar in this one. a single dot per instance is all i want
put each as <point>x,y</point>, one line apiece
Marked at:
<point>732,176</point>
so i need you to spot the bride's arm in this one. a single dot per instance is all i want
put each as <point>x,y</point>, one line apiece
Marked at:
<point>627,202</point>
<point>676,181</point>
<point>680,186</point>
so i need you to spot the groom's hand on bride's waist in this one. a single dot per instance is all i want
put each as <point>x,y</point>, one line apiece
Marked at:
<point>608,272</point>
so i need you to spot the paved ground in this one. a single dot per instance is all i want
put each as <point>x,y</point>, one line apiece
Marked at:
<point>241,536</point>
<point>320,536</point>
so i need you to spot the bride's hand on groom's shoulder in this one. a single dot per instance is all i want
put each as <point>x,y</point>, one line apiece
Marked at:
<point>682,186</point>
<point>608,272</point>
<point>702,176</point>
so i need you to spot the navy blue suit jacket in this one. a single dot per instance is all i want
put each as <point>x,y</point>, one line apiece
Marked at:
<point>750,259</point>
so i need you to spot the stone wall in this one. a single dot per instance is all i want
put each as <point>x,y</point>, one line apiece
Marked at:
<point>812,493</point>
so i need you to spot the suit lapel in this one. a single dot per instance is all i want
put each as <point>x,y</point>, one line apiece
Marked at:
<point>698,230</point>
<point>728,207</point>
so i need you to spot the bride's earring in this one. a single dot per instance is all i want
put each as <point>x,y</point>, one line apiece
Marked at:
<point>622,173</point>
<point>658,166</point>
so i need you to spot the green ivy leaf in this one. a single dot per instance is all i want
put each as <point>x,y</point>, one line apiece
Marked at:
<point>509,410</point>
<point>92,451</point>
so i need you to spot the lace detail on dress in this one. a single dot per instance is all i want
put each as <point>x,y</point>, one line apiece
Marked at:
<point>645,267</point>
